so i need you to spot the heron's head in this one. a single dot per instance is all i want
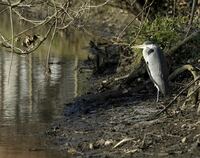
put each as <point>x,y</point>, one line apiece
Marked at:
<point>148,48</point>
<point>146,45</point>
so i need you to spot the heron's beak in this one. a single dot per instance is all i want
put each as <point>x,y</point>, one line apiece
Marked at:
<point>139,46</point>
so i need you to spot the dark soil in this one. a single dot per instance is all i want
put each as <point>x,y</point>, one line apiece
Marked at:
<point>120,128</point>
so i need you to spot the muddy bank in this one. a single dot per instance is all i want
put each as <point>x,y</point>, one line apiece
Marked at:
<point>120,127</point>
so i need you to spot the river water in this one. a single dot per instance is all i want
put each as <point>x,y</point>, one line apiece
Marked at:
<point>31,101</point>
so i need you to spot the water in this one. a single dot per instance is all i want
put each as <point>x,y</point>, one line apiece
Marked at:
<point>30,101</point>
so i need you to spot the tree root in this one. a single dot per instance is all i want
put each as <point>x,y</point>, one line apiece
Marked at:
<point>192,94</point>
<point>183,68</point>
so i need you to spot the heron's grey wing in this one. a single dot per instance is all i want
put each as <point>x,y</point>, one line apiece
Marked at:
<point>147,67</point>
<point>164,69</point>
<point>155,70</point>
<point>163,63</point>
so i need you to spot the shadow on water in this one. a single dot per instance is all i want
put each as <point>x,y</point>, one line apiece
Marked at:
<point>29,101</point>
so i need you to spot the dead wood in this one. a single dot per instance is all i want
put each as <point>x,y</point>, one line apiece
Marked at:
<point>122,142</point>
<point>183,68</point>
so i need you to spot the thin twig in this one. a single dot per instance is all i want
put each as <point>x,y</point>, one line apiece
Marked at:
<point>194,91</point>
<point>174,8</point>
<point>191,17</point>
<point>28,20</point>
<point>37,46</point>
<point>12,42</point>
<point>141,26</point>
<point>12,5</point>
<point>78,13</point>
<point>47,20</point>
<point>19,51</point>
<point>3,10</point>
<point>124,29</point>
<point>52,37</point>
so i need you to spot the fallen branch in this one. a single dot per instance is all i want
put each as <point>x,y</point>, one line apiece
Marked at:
<point>183,68</point>
<point>122,142</point>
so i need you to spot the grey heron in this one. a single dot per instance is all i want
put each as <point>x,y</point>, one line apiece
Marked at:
<point>156,66</point>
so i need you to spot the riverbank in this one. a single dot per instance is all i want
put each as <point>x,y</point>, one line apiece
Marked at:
<point>119,128</point>
<point>111,123</point>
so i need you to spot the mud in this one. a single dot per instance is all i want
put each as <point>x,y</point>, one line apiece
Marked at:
<point>121,128</point>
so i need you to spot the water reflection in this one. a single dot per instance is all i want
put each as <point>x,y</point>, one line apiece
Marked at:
<point>27,83</point>
<point>29,101</point>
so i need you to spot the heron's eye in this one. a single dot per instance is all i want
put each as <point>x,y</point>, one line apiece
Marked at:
<point>150,51</point>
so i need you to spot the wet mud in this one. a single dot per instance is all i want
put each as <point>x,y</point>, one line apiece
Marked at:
<point>121,127</point>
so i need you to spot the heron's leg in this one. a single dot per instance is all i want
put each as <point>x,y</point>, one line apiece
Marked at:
<point>157,99</point>
<point>157,96</point>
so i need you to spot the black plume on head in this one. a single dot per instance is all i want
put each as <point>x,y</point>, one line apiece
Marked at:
<point>148,42</point>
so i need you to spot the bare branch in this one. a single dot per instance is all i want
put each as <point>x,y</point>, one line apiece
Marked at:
<point>28,20</point>
<point>39,44</point>
<point>12,36</point>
